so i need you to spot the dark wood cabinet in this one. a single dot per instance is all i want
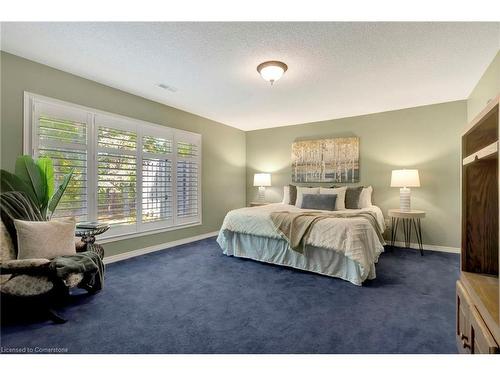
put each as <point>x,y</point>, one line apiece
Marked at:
<point>478,294</point>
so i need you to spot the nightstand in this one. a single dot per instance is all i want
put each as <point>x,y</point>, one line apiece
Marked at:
<point>408,219</point>
<point>255,204</point>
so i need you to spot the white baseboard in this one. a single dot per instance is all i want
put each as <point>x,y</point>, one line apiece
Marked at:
<point>444,249</point>
<point>167,245</point>
<point>151,249</point>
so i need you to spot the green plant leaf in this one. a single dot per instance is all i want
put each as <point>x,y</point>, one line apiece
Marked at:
<point>54,201</point>
<point>47,171</point>
<point>16,205</point>
<point>10,182</point>
<point>27,170</point>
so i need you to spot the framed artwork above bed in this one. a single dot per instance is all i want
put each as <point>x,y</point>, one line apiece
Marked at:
<point>326,160</point>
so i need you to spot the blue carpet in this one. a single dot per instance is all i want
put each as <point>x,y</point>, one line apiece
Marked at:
<point>194,299</point>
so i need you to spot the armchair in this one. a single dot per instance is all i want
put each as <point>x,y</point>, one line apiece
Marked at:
<point>28,278</point>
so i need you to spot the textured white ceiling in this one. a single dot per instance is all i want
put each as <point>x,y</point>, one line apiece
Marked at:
<point>334,69</point>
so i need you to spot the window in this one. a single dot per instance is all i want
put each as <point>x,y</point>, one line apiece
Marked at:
<point>133,175</point>
<point>62,136</point>
<point>157,195</point>
<point>116,171</point>
<point>187,180</point>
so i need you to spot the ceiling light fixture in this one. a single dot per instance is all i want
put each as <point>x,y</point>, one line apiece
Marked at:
<point>271,71</point>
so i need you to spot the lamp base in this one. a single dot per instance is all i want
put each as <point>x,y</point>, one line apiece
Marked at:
<point>262,194</point>
<point>405,199</point>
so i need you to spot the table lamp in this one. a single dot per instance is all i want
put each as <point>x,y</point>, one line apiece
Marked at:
<point>404,179</point>
<point>262,180</point>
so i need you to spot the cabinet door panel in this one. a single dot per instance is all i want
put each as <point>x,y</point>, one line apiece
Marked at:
<point>463,325</point>
<point>481,340</point>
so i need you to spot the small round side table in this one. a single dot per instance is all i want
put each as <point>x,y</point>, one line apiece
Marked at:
<point>88,237</point>
<point>408,219</point>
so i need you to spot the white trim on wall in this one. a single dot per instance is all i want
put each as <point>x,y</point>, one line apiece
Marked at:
<point>444,249</point>
<point>154,248</point>
<point>183,241</point>
<point>119,237</point>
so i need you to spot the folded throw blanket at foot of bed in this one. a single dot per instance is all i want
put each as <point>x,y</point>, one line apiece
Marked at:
<point>295,227</point>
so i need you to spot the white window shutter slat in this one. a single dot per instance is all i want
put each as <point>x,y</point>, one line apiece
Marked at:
<point>64,140</point>
<point>157,178</point>
<point>188,179</point>
<point>116,175</point>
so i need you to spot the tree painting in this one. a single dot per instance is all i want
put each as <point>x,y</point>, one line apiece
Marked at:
<point>326,160</point>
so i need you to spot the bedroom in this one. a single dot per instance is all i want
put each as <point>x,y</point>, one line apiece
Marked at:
<point>249,187</point>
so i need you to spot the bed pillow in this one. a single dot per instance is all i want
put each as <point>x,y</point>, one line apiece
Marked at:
<point>352,195</point>
<point>339,192</point>
<point>304,190</point>
<point>45,239</point>
<point>286,194</point>
<point>365,198</point>
<point>324,202</point>
<point>293,194</point>
<point>289,194</point>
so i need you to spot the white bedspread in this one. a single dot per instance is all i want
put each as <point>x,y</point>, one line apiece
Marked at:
<point>354,237</point>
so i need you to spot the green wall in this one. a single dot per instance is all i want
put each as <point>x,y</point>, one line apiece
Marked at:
<point>223,147</point>
<point>427,138</point>
<point>487,88</point>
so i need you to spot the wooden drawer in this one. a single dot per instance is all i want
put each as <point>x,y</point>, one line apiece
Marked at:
<point>463,324</point>
<point>482,341</point>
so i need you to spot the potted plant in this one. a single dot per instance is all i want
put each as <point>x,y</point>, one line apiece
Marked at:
<point>35,178</point>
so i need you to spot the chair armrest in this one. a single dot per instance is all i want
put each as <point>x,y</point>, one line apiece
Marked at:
<point>23,265</point>
<point>80,246</point>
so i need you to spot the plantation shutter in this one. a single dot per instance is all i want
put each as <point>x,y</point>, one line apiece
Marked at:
<point>188,178</point>
<point>116,172</point>
<point>61,134</point>
<point>135,176</point>
<point>157,202</point>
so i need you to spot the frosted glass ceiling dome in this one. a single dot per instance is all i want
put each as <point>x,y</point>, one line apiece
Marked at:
<point>271,71</point>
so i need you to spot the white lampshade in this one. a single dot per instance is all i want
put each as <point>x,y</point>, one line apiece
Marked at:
<point>405,178</point>
<point>262,179</point>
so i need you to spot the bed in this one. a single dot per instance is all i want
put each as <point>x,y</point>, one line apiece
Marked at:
<point>346,248</point>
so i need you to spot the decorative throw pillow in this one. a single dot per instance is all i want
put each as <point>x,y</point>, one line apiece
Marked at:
<point>304,190</point>
<point>340,192</point>
<point>325,202</point>
<point>45,239</point>
<point>352,195</point>
<point>365,198</point>
<point>293,194</point>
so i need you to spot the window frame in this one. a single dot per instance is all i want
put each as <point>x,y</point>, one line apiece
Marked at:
<point>141,128</point>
